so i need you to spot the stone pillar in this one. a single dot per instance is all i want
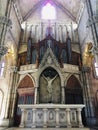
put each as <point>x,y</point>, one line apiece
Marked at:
<point>5,22</point>
<point>35,95</point>
<point>57,118</point>
<point>14,95</point>
<point>36,32</point>
<point>79,117</point>
<point>7,112</point>
<point>72,32</point>
<point>63,95</point>
<point>42,28</point>
<point>23,116</point>
<point>10,94</point>
<point>61,33</point>
<point>89,110</point>
<point>45,117</point>
<point>13,105</point>
<point>68,117</point>
<point>87,85</point>
<point>34,118</point>
<point>55,31</point>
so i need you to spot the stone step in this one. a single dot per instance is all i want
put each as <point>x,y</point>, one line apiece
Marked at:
<point>17,128</point>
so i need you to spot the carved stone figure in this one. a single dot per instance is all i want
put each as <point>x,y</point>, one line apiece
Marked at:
<point>49,86</point>
<point>88,55</point>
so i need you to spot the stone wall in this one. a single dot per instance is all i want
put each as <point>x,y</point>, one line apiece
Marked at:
<point>85,36</point>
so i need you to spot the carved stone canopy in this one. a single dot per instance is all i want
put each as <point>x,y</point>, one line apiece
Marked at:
<point>49,59</point>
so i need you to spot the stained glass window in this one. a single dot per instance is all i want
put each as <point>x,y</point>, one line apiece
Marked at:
<point>48,12</point>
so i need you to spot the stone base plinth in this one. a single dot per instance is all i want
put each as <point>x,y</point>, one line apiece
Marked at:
<point>48,129</point>
<point>6,122</point>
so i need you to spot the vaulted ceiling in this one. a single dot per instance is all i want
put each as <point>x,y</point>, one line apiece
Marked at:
<point>71,8</point>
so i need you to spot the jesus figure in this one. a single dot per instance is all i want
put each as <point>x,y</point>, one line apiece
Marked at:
<point>49,86</point>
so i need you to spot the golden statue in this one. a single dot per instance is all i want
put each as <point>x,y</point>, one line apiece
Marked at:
<point>88,55</point>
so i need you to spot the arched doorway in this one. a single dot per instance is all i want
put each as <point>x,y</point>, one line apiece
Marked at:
<point>74,94</point>
<point>25,95</point>
<point>49,86</point>
<point>73,91</point>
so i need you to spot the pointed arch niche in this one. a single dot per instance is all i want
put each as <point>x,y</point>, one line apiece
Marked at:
<point>73,91</point>
<point>25,90</point>
<point>25,95</point>
<point>49,86</point>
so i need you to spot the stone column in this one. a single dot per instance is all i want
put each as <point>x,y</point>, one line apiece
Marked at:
<point>35,95</point>
<point>14,94</point>
<point>95,49</point>
<point>61,33</point>
<point>45,117</point>
<point>65,29</point>
<point>55,31</point>
<point>34,118</point>
<point>72,32</point>
<point>13,105</point>
<point>42,27</point>
<point>79,117</point>
<point>68,117</point>
<point>5,22</point>
<point>23,116</point>
<point>63,95</point>
<point>36,31</point>
<point>9,100</point>
<point>87,89</point>
<point>57,118</point>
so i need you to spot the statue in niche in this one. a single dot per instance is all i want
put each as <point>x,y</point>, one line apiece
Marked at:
<point>49,86</point>
<point>49,60</point>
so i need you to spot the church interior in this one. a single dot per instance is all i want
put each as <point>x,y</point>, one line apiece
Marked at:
<point>49,64</point>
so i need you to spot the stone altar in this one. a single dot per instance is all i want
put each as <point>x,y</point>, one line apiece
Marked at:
<point>51,115</point>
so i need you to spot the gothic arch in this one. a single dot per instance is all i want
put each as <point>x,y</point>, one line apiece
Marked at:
<point>51,66</point>
<point>25,95</point>
<point>49,86</point>
<point>73,91</point>
<point>68,77</point>
<point>32,78</point>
